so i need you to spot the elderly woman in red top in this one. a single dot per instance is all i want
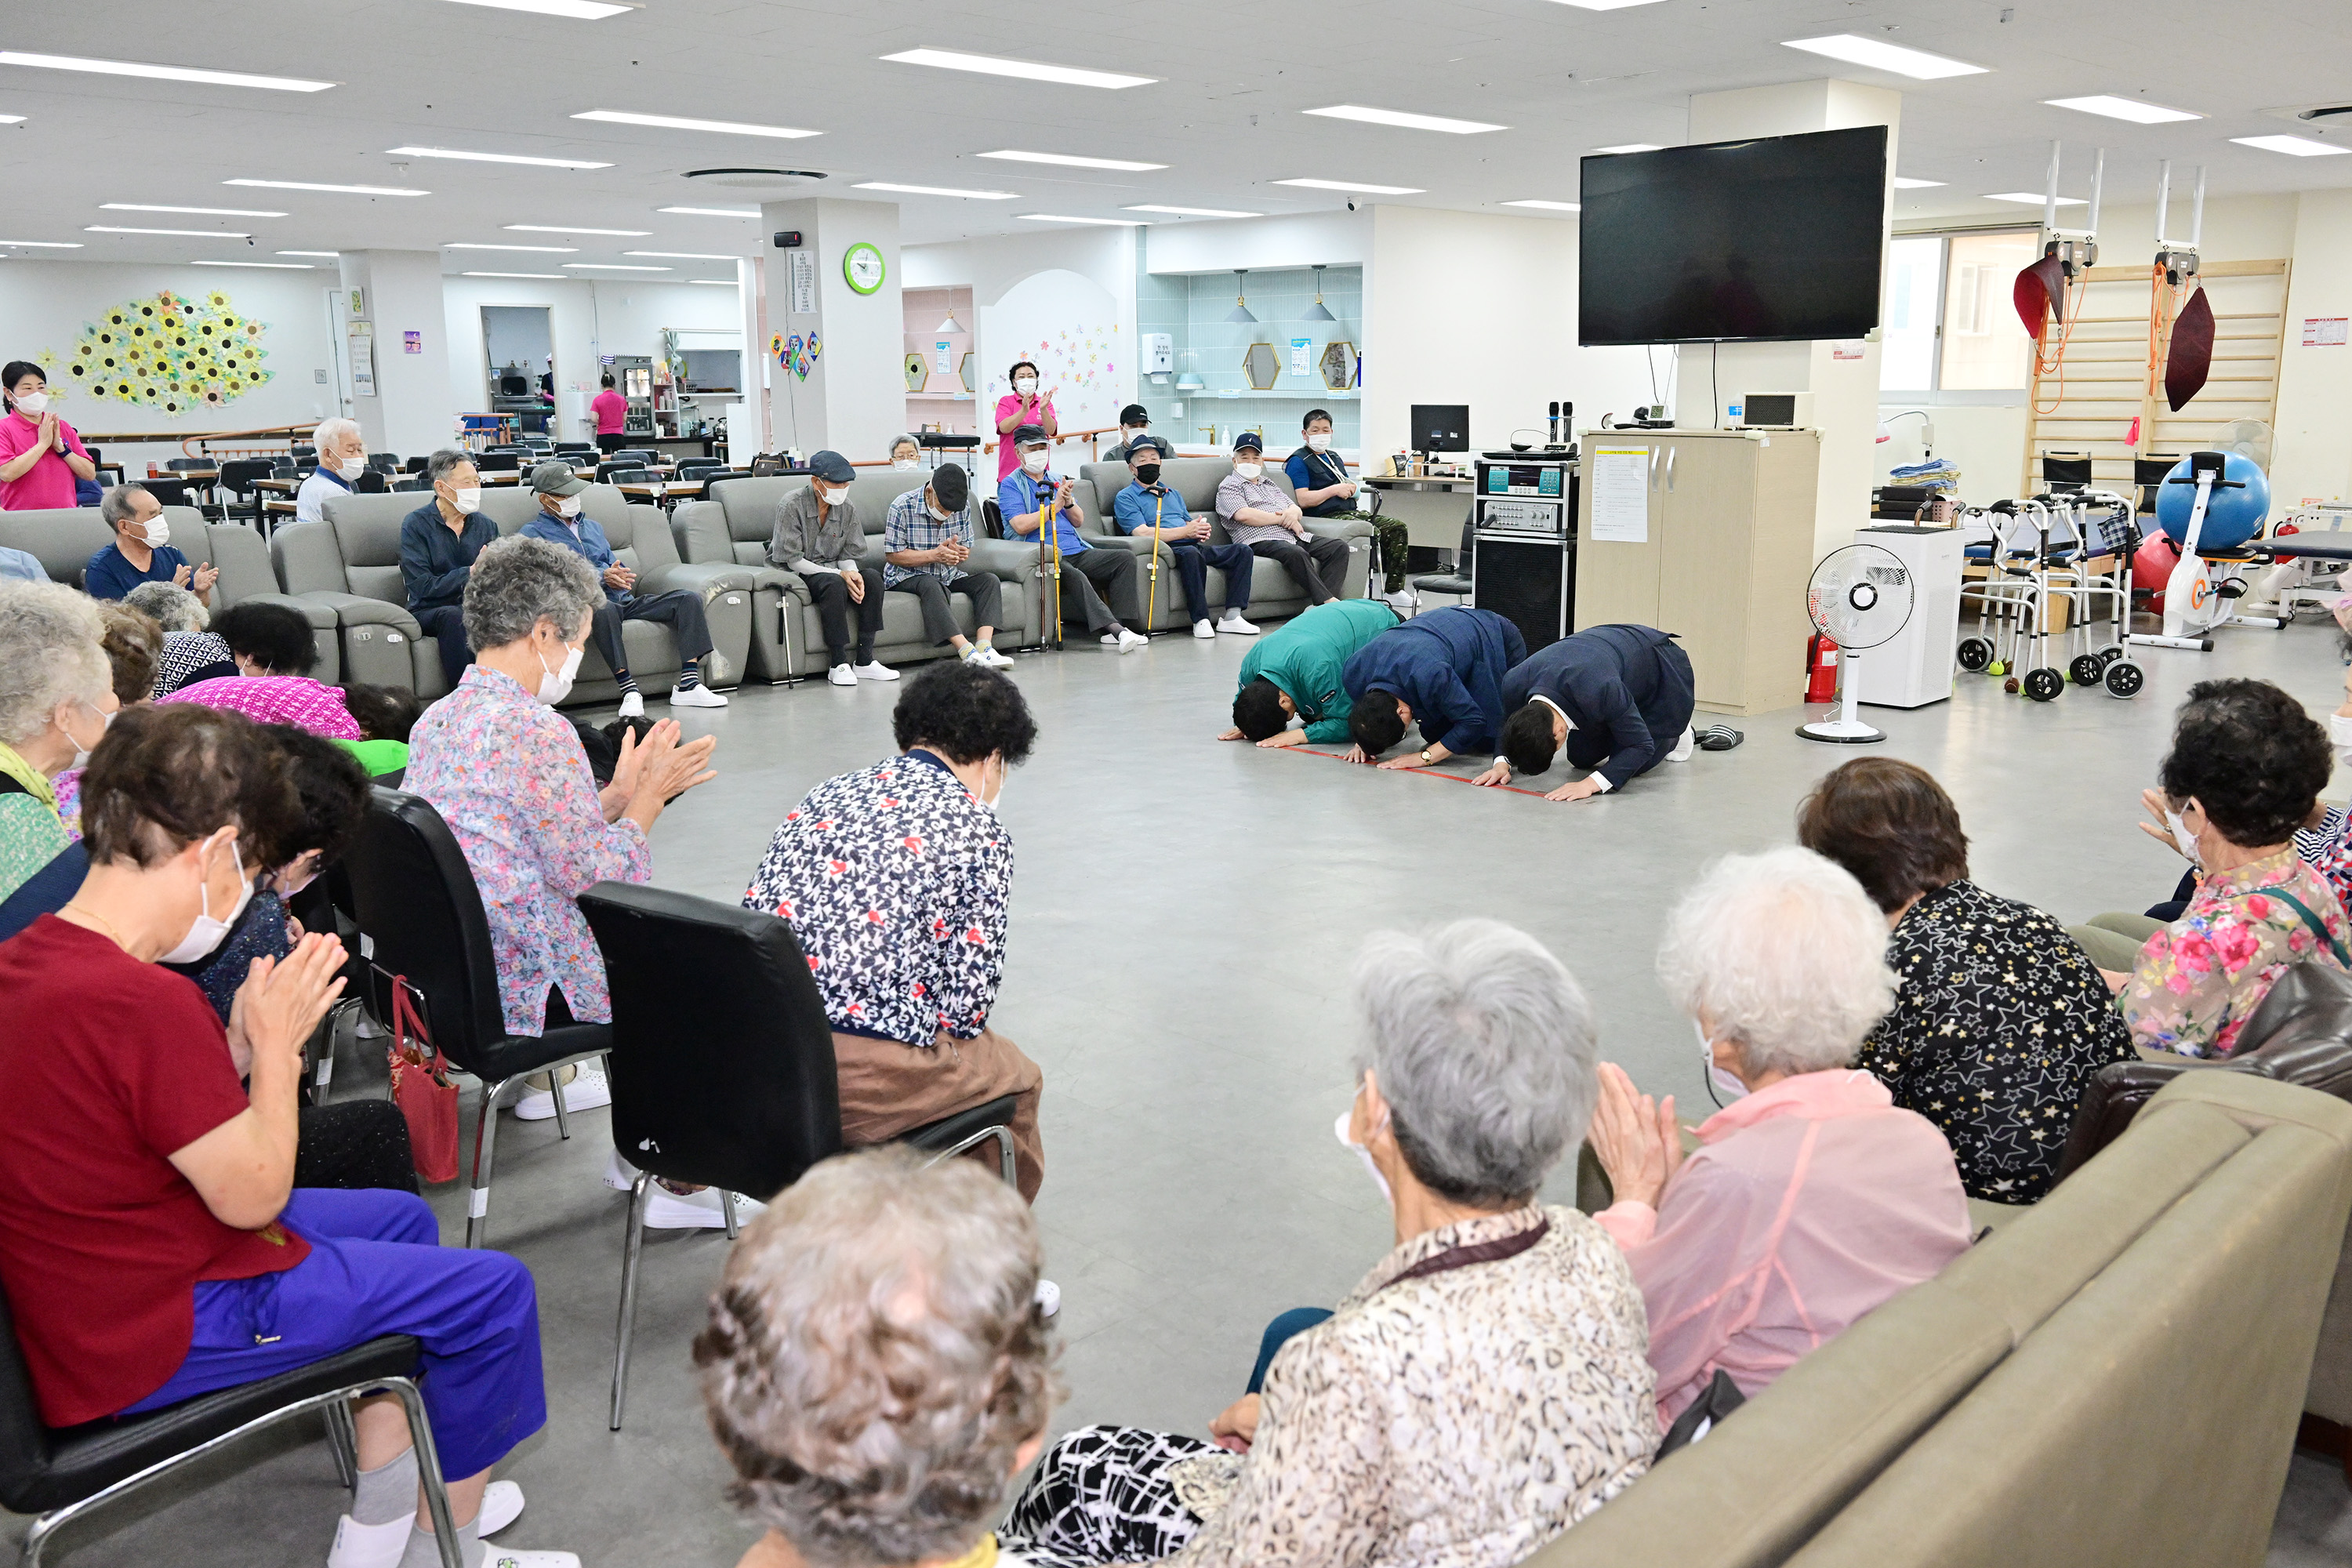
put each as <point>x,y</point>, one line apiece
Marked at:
<point>154,1246</point>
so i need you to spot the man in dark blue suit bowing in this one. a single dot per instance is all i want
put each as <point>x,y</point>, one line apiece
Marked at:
<point>1618,698</point>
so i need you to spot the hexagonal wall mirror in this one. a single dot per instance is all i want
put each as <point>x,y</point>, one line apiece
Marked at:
<point>1338,365</point>
<point>971,372</point>
<point>1263,366</point>
<point>918,371</point>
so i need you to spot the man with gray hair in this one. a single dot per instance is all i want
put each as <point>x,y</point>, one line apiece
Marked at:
<point>438,542</point>
<point>142,550</point>
<point>342,459</point>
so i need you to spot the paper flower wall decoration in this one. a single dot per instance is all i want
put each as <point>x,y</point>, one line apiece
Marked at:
<point>173,353</point>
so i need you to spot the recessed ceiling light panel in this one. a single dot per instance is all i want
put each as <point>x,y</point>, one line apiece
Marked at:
<point>541,249</point>
<point>201,212</point>
<point>2137,111</point>
<point>162,73</point>
<point>1630,147</point>
<point>544,277</point>
<point>679,254</point>
<point>558,228</point>
<point>43,244</point>
<point>1192,212</point>
<point>674,123</point>
<point>280,266</point>
<point>1104,222</point>
<point>576,10</point>
<point>492,158</point>
<point>1403,120</point>
<point>1069,160</point>
<point>1917,64</point>
<point>1903,184</point>
<point>1027,70</point>
<point>340,190</point>
<point>329,254</point>
<point>939,191</point>
<point>2294,146</point>
<point>610,267</point>
<point>712,211</point>
<point>189,233</point>
<point>1549,207</point>
<point>1357,186</point>
<point>2031,198</point>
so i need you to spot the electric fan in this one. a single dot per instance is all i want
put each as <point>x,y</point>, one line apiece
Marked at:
<point>1860,596</point>
<point>2251,439</point>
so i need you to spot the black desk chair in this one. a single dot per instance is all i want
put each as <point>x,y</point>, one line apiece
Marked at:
<point>498,462</point>
<point>701,467</point>
<point>566,448</point>
<point>60,1474</point>
<point>414,465</point>
<point>383,462</point>
<point>624,474</point>
<point>636,455</point>
<point>236,482</point>
<point>167,492</point>
<point>417,901</point>
<point>728,1081</point>
<point>370,482</point>
<point>411,482</point>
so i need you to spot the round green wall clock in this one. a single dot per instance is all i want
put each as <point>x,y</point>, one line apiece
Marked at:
<point>862,265</point>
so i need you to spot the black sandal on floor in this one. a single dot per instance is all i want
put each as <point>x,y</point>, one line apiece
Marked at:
<point>1719,738</point>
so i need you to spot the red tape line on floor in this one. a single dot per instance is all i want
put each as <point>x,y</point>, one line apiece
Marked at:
<point>1418,773</point>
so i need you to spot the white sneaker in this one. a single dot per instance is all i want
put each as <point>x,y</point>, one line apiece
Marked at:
<point>1405,601</point>
<point>361,1545</point>
<point>1124,640</point>
<point>1049,1297</point>
<point>633,704</point>
<point>988,656</point>
<point>1234,623</point>
<point>696,696</point>
<point>1204,631</point>
<point>619,1174</point>
<point>666,1210</point>
<point>589,1091</point>
<point>842,675</point>
<point>501,1506</point>
<point>874,669</point>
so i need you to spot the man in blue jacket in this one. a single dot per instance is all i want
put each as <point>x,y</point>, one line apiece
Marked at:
<point>561,521</point>
<point>438,542</point>
<point>1442,671</point>
<point>1618,698</point>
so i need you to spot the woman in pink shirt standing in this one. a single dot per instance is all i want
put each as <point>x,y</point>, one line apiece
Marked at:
<point>612,412</point>
<point>1025,404</point>
<point>1811,1199</point>
<point>40,455</point>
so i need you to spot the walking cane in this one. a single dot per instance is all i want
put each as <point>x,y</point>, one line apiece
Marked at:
<point>1151,603</point>
<point>1050,540</point>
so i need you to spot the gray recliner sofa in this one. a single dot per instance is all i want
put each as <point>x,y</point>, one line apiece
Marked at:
<point>1274,592</point>
<point>349,563</point>
<point>65,538</point>
<point>787,637</point>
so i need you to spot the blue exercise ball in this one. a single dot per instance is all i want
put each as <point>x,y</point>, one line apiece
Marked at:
<point>2232,517</point>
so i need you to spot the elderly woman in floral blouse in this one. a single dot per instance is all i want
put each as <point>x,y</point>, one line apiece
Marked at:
<point>1483,1388</point>
<point>2246,770</point>
<point>507,774</point>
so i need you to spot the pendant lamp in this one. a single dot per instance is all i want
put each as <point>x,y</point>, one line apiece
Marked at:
<point>1241,310</point>
<point>950,324</point>
<point>1317,312</point>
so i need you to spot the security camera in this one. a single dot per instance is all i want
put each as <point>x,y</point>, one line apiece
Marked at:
<point>1352,207</point>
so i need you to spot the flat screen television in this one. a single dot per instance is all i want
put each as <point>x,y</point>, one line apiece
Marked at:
<point>1441,427</point>
<point>1775,239</point>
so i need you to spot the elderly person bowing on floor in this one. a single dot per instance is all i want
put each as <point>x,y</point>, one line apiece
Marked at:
<point>1811,1198</point>
<point>1483,1388</point>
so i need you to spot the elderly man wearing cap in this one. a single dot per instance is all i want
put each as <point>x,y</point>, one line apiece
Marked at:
<point>1087,574</point>
<point>1134,422</point>
<point>1149,509</point>
<point>561,521</point>
<point>926,536</point>
<point>818,535</point>
<point>1260,515</point>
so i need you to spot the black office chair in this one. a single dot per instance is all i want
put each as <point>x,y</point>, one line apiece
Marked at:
<point>567,446</point>
<point>236,482</point>
<point>727,1082</point>
<point>303,452</point>
<point>637,453</point>
<point>701,467</point>
<point>624,474</point>
<point>383,462</point>
<point>411,482</point>
<point>416,900</point>
<point>60,1474</point>
<point>497,462</point>
<point>370,482</point>
<point>414,465</point>
<point>167,492</point>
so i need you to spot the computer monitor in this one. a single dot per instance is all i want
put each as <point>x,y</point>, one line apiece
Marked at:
<point>1441,427</point>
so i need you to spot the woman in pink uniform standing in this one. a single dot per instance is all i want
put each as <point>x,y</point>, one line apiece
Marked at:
<point>612,412</point>
<point>1025,404</point>
<point>40,455</point>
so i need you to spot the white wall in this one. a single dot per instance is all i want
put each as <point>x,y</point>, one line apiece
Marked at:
<point>991,267</point>
<point>2312,453</point>
<point>46,303</point>
<point>1480,308</point>
<point>1987,442</point>
<point>401,292</point>
<point>1303,239</point>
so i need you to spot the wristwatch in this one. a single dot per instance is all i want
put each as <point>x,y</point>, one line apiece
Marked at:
<point>1424,756</point>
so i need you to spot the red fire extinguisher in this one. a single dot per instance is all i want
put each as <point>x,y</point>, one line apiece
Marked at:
<point>1820,668</point>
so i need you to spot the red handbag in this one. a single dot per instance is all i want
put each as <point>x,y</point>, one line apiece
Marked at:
<point>421,1088</point>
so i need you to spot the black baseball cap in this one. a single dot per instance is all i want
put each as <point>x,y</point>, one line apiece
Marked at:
<point>1135,415</point>
<point>1030,435</point>
<point>832,468</point>
<point>951,487</point>
<point>1143,444</point>
<point>1248,441</point>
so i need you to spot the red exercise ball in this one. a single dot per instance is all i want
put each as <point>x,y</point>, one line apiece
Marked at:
<point>2152,566</point>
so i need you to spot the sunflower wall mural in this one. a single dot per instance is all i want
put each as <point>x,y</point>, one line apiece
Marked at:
<point>175,353</point>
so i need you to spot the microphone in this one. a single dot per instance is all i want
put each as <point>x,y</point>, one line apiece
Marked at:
<point>1554,437</point>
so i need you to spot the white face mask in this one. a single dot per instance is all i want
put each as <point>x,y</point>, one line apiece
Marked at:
<point>939,516</point>
<point>1319,441</point>
<point>902,463</point>
<point>156,531</point>
<point>567,506</point>
<point>2183,837</point>
<point>1723,1084</point>
<point>1340,1130</point>
<point>468,501</point>
<point>1131,436</point>
<point>832,496</point>
<point>2340,736</point>
<point>555,685</point>
<point>33,405</point>
<point>81,753</point>
<point>1025,384</point>
<point>352,467</point>
<point>1249,471</point>
<point>991,799</point>
<point>1034,461</point>
<point>205,933</point>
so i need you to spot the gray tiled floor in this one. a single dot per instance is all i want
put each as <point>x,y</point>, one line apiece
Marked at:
<point>1184,918</point>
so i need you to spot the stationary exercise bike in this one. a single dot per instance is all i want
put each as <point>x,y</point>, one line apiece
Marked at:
<point>2207,583</point>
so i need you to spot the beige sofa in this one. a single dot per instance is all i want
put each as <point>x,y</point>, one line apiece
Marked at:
<point>2112,1377</point>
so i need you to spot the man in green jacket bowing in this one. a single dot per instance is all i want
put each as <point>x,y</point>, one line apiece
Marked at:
<point>1293,672</point>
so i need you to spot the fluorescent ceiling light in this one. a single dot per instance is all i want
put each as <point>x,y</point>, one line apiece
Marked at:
<point>1903,184</point>
<point>491,158</point>
<point>191,232</point>
<point>1549,207</point>
<point>329,254</point>
<point>541,249</point>
<point>206,212</point>
<point>43,244</point>
<point>1027,70</point>
<point>2294,146</point>
<point>1917,64</point>
<point>12,120</point>
<point>1408,121</point>
<point>674,122</point>
<point>578,10</point>
<point>713,212</point>
<point>558,228</point>
<point>1192,212</point>
<point>679,254</point>
<point>340,190</point>
<point>161,73</point>
<point>1352,185</point>
<point>714,282</point>
<point>547,276</point>
<point>2031,198</point>
<point>1074,162</point>
<point>1604,4</point>
<point>1632,147</point>
<point>1106,222</point>
<point>2131,109</point>
<point>281,265</point>
<point>611,266</point>
<point>939,191</point>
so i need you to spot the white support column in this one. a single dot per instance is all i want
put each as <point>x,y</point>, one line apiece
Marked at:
<point>398,293</point>
<point>854,396</point>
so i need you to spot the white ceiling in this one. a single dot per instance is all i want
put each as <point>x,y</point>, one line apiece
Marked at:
<point>1225,114</point>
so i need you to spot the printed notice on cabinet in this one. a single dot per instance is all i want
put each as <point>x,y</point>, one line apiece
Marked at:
<point>1621,494</point>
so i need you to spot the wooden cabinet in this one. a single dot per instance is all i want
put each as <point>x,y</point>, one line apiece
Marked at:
<point>1723,561</point>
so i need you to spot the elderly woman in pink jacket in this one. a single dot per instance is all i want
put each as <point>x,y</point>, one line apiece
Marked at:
<point>1810,1198</point>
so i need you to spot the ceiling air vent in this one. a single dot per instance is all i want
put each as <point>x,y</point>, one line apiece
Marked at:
<point>756,179</point>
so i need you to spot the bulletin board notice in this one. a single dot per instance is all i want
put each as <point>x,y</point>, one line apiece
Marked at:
<point>1621,494</point>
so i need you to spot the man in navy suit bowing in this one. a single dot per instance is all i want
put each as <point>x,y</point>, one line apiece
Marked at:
<point>1618,698</point>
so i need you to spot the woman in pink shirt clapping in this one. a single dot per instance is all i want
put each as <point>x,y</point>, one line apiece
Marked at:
<point>1025,404</point>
